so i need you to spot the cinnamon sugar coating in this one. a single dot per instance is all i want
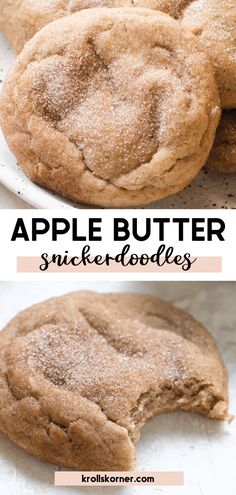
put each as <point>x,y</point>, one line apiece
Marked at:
<point>82,373</point>
<point>112,107</point>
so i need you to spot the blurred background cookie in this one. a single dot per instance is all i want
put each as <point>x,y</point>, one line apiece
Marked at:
<point>223,154</point>
<point>214,22</point>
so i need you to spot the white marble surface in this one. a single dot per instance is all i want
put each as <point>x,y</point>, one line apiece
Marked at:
<point>204,449</point>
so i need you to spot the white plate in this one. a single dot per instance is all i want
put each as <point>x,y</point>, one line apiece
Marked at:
<point>203,448</point>
<point>209,190</point>
<point>13,177</point>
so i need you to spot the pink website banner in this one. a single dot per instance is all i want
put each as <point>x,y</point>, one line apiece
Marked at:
<point>204,264</point>
<point>161,478</point>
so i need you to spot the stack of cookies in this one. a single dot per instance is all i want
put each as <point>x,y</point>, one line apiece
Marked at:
<point>119,103</point>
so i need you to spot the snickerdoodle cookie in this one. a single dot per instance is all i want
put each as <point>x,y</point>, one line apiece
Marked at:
<point>81,374</point>
<point>113,107</point>
<point>213,21</point>
<point>223,155</point>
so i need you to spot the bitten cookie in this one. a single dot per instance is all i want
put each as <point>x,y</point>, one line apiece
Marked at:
<point>213,21</point>
<point>81,374</point>
<point>111,107</point>
<point>223,155</point>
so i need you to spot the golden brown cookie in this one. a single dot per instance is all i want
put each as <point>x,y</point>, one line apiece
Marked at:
<point>111,107</point>
<point>81,374</point>
<point>213,21</point>
<point>223,155</point>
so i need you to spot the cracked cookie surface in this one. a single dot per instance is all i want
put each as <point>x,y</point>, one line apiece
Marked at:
<point>113,107</point>
<point>223,154</point>
<point>213,21</point>
<point>83,372</point>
